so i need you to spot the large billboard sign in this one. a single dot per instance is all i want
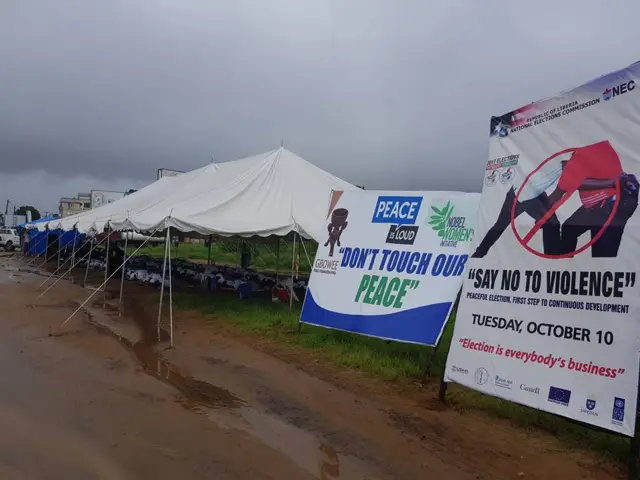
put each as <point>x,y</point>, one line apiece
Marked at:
<point>549,310</point>
<point>392,264</point>
<point>103,197</point>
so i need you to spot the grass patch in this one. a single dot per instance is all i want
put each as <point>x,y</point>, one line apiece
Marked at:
<point>390,361</point>
<point>263,256</point>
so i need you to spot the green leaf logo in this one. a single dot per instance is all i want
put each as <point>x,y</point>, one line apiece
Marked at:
<point>439,219</point>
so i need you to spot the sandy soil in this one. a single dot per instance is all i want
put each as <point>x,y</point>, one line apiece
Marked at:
<point>97,399</point>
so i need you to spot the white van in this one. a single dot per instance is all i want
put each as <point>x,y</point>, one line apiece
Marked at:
<point>9,239</point>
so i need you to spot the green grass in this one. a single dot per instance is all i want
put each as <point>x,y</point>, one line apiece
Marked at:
<point>389,361</point>
<point>263,256</point>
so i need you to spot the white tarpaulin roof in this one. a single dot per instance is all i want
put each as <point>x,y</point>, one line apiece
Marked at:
<point>269,194</point>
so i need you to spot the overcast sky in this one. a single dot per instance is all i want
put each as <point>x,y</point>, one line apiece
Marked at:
<point>392,94</point>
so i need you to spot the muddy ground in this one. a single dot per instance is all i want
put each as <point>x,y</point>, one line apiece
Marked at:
<point>98,398</point>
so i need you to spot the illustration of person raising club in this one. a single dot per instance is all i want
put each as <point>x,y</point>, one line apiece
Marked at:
<point>592,171</point>
<point>596,173</point>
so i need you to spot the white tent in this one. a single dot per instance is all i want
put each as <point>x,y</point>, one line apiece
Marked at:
<point>274,193</point>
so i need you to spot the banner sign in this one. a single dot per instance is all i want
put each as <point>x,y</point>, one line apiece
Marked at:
<point>392,264</point>
<point>549,310</point>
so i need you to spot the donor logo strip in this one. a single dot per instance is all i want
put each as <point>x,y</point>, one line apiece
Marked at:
<point>402,234</point>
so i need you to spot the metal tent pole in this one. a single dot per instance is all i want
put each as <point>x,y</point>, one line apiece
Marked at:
<point>86,270</point>
<point>164,271</point>
<point>170,299</point>
<point>59,249</point>
<point>60,277</point>
<point>278,261</point>
<point>306,254</point>
<point>126,242</point>
<point>209,256</point>
<point>293,264</point>
<point>100,287</point>
<point>106,265</point>
<point>47,259</point>
<point>73,254</point>
<point>54,273</point>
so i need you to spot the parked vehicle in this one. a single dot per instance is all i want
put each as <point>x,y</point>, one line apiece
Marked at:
<point>9,239</point>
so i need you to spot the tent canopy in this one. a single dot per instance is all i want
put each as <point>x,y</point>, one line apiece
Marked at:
<point>33,223</point>
<point>273,193</point>
<point>39,239</point>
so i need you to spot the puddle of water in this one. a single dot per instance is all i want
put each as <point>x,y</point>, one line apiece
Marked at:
<point>195,392</point>
<point>9,275</point>
<point>304,448</point>
<point>227,411</point>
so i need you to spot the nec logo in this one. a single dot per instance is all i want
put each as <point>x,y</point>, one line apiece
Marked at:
<point>609,93</point>
<point>397,210</point>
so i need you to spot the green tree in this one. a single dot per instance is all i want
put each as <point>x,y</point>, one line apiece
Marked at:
<point>35,214</point>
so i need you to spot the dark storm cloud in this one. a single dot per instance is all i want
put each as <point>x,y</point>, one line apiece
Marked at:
<point>388,94</point>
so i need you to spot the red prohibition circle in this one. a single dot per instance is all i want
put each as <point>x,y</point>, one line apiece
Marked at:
<point>552,210</point>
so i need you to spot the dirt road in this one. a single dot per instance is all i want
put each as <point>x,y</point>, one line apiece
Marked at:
<point>96,399</point>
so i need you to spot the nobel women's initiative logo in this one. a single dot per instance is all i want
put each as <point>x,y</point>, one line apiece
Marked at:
<point>451,228</point>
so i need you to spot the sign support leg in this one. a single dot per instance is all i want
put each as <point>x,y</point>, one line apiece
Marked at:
<point>443,389</point>
<point>429,366</point>
<point>634,448</point>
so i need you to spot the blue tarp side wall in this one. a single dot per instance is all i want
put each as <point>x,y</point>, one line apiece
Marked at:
<point>66,238</point>
<point>38,240</point>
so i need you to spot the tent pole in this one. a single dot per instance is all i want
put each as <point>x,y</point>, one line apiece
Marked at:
<point>47,259</point>
<point>306,254</point>
<point>126,240</point>
<point>209,256</point>
<point>46,248</point>
<point>277,261</point>
<point>59,249</point>
<point>167,245</point>
<point>170,298</point>
<point>86,271</point>
<point>100,287</point>
<point>54,274</point>
<point>73,255</point>
<point>59,278</point>
<point>293,263</point>
<point>106,265</point>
